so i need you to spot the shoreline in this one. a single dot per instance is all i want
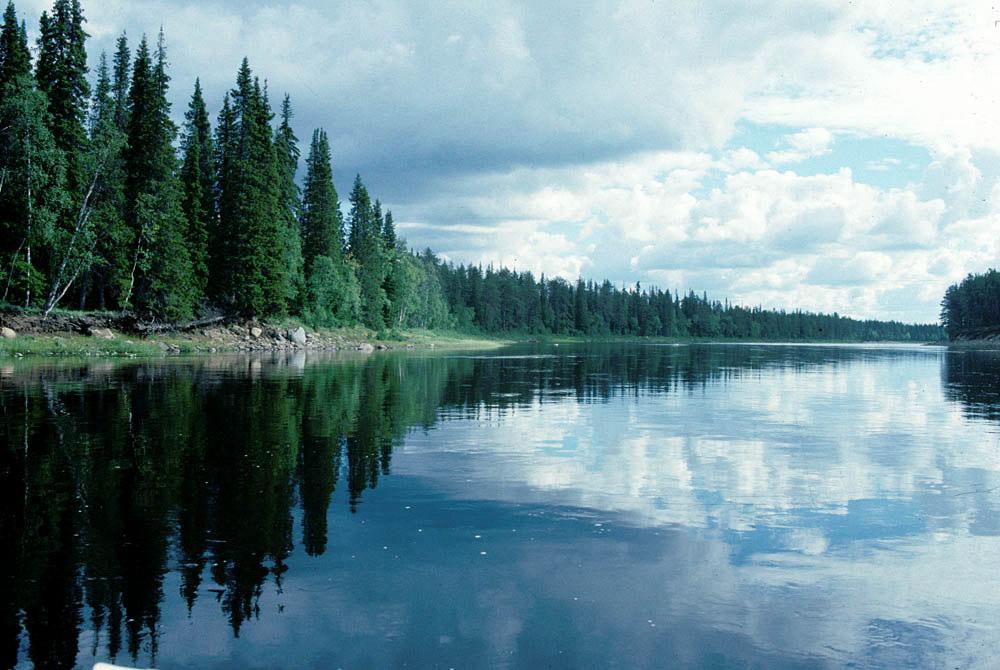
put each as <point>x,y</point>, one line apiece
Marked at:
<point>261,338</point>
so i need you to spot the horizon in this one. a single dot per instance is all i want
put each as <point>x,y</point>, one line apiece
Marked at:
<point>808,157</point>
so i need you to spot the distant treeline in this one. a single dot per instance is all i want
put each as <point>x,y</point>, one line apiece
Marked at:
<point>971,308</point>
<point>505,301</point>
<point>106,204</point>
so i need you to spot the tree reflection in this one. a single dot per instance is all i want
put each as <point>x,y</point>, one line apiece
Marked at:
<point>970,378</point>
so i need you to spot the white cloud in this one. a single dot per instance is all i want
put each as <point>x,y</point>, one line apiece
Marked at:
<point>800,146</point>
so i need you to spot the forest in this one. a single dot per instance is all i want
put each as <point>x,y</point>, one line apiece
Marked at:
<point>971,308</point>
<point>106,204</point>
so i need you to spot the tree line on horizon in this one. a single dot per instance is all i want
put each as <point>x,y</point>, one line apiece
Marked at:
<point>106,204</point>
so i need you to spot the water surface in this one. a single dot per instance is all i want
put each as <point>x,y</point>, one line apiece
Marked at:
<point>587,506</point>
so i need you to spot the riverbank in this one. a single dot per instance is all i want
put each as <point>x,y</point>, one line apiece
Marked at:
<point>110,334</point>
<point>79,336</point>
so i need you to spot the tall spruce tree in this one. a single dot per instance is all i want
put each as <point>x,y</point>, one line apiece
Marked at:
<point>15,58</point>
<point>322,223</point>
<point>222,234</point>
<point>198,181</point>
<point>397,273</point>
<point>161,279</point>
<point>251,275</point>
<point>287,154</point>
<point>61,72</point>
<point>369,253</point>
<point>122,70</point>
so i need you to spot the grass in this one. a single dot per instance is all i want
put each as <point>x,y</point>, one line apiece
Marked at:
<point>76,345</point>
<point>71,345</point>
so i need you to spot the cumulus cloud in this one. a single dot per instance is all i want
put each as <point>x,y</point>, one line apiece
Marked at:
<point>809,143</point>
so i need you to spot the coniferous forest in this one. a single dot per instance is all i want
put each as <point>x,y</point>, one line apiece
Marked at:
<point>971,308</point>
<point>106,204</point>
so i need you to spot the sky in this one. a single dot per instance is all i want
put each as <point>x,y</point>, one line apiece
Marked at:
<point>814,154</point>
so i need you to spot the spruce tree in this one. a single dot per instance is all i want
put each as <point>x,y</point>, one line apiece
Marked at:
<point>287,154</point>
<point>198,182</point>
<point>322,224</point>
<point>15,58</point>
<point>161,278</point>
<point>222,234</point>
<point>114,237</point>
<point>397,274</point>
<point>122,66</point>
<point>62,75</point>
<point>368,252</point>
<point>389,231</point>
<point>251,275</point>
<point>360,217</point>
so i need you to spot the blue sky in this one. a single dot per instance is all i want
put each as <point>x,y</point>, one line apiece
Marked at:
<point>806,153</point>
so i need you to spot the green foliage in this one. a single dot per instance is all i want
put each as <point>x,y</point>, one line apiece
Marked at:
<point>334,298</point>
<point>971,308</point>
<point>252,277</point>
<point>15,58</point>
<point>33,194</point>
<point>163,280</point>
<point>322,224</point>
<point>286,148</point>
<point>419,300</point>
<point>503,301</point>
<point>62,75</point>
<point>368,251</point>
<point>198,182</point>
<point>166,288</point>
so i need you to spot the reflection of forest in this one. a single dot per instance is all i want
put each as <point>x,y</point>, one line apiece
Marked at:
<point>113,475</point>
<point>971,379</point>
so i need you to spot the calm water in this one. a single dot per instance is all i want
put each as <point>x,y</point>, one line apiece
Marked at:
<point>620,506</point>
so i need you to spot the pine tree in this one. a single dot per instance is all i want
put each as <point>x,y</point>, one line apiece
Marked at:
<point>222,234</point>
<point>250,272</point>
<point>114,239</point>
<point>122,66</point>
<point>367,250</point>
<point>389,231</point>
<point>15,58</point>
<point>360,217</point>
<point>322,224</point>
<point>161,277</point>
<point>398,273</point>
<point>198,182</point>
<point>287,154</point>
<point>62,75</point>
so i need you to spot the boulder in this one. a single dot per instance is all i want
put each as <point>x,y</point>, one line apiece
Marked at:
<point>101,333</point>
<point>7,333</point>
<point>256,332</point>
<point>366,348</point>
<point>381,347</point>
<point>298,336</point>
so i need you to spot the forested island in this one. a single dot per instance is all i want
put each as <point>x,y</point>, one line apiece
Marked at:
<point>105,204</point>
